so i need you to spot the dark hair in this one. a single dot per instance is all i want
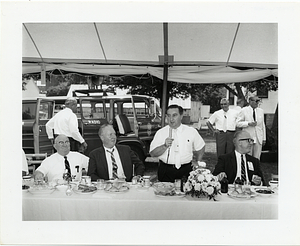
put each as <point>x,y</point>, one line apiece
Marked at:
<point>180,109</point>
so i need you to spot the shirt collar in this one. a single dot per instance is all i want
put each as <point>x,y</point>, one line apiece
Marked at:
<point>110,150</point>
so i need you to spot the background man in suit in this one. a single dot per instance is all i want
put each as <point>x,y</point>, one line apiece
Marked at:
<point>239,163</point>
<point>251,119</point>
<point>112,161</point>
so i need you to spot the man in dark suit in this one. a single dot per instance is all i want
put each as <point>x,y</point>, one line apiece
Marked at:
<point>112,161</point>
<point>239,164</point>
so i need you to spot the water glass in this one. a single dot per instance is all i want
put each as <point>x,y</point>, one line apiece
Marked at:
<point>177,184</point>
<point>100,184</point>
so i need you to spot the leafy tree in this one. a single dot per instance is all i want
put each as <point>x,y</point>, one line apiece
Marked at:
<point>59,90</point>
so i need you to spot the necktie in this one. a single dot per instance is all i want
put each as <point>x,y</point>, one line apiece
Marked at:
<point>225,123</point>
<point>114,164</point>
<point>67,165</point>
<point>176,150</point>
<point>243,169</point>
<point>254,117</point>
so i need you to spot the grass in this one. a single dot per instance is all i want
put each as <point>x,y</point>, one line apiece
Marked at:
<point>210,158</point>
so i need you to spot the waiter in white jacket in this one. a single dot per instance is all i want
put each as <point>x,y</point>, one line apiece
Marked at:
<point>65,122</point>
<point>251,119</point>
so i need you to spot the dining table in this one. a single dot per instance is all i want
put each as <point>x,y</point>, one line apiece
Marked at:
<point>140,203</point>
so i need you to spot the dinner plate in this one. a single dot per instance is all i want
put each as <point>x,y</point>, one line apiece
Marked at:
<point>173,196</point>
<point>85,192</point>
<point>263,192</point>
<point>41,192</point>
<point>240,196</point>
<point>123,190</point>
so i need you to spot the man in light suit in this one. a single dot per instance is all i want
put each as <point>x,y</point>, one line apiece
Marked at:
<point>238,164</point>
<point>112,161</point>
<point>251,119</point>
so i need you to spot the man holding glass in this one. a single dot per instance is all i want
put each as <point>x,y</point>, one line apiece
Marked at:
<point>177,147</point>
<point>251,119</point>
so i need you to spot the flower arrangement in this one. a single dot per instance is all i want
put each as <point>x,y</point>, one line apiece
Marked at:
<point>201,183</point>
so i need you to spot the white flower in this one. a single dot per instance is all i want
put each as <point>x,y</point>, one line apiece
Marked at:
<point>197,186</point>
<point>210,190</point>
<point>200,178</point>
<point>208,177</point>
<point>187,186</point>
<point>218,186</point>
<point>194,182</point>
<point>203,185</point>
<point>201,164</point>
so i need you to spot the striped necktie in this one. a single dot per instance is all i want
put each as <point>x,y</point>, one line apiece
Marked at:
<point>243,169</point>
<point>67,165</point>
<point>254,117</point>
<point>114,164</point>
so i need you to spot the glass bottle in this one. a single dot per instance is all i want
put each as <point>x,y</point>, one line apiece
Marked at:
<point>224,185</point>
<point>69,190</point>
<point>83,172</point>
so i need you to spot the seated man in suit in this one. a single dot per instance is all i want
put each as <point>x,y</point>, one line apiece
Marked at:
<point>64,160</point>
<point>112,161</point>
<point>239,163</point>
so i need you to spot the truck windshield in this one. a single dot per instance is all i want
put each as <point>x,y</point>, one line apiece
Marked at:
<point>28,111</point>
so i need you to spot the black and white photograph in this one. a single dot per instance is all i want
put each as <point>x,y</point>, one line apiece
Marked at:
<point>171,129</point>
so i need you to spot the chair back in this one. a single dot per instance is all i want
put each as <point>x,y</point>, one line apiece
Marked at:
<point>123,124</point>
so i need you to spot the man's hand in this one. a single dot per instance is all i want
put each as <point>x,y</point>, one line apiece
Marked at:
<point>84,146</point>
<point>254,123</point>
<point>263,142</point>
<point>38,176</point>
<point>221,176</point>
<point>256,179</point>
<point>168,142</point>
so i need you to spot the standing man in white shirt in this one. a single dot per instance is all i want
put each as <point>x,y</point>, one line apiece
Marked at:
<point>175,145</point>
<point>251,119</point>
<point>225,126</point>
<point>65,122</point>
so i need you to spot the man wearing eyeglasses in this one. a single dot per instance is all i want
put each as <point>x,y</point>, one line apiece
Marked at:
<point>239,164</point>
<point>54,166</point>
<point>225,124</point>
<point>251,119</point>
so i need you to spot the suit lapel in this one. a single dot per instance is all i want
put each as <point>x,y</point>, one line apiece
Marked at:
<point>103,157</point>
<point>233,164</point>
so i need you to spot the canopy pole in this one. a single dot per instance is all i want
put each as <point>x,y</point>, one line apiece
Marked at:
<point>237,29</point>
<point>165,75</point>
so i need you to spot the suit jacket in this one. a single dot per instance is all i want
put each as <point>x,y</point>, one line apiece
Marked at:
<point>256,132</point>
<point>98,168</point>
<point>227,163</point>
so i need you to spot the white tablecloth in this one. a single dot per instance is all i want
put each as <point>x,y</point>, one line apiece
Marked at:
<point>143,205</point>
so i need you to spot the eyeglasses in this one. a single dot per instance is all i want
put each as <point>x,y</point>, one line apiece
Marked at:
<point>250,140</point>
<point>62,142</point>
<point>223,104</point>
<point>257,101</point>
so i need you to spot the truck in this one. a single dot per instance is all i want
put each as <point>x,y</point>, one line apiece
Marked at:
<point>136,119</point>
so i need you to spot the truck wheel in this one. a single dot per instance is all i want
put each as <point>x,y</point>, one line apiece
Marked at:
<point>138,152</point>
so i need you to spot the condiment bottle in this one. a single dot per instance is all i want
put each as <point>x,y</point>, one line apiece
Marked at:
<point>224,185</point>
<point>83,172</point>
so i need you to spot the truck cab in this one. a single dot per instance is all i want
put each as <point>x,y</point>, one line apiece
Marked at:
<point>136,119</point>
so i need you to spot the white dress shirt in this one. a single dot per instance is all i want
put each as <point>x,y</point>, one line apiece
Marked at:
<point>64,122</point>
<point>120,170</point>
<point>218,119</point>
<point>189,140</point>
<point>54,166</point>
<point>239,166</point>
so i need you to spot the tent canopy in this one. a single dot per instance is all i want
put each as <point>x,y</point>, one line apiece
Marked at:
<point>199,52</point>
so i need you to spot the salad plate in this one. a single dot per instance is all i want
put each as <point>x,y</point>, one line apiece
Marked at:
<point>263,191</point>
<point>85,189</point>
<point>41,192</point>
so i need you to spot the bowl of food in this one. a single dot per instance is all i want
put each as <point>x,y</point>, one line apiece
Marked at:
<point>264,192</point>
<point>164,188</point>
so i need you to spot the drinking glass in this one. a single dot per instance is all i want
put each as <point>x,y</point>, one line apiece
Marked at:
<point>100,184</point>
